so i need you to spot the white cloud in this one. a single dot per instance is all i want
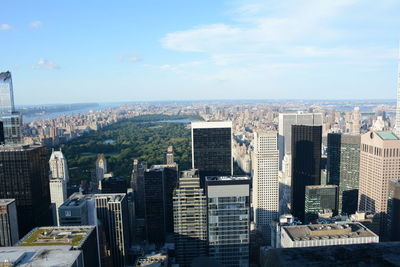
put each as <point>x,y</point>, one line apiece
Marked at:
<point>45,64</point>
<point>36,24</point>
<point>5,27</point>
<point>129,58</point>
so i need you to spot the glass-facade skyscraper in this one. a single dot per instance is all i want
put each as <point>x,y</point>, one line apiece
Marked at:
<point>306,161</point>
<point>319,198</point>
<point>344,169</point>
<point>212,148</point>
<point>6,93</point>
<point>228,202</point>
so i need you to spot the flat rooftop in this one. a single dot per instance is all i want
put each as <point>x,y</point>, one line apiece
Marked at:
<point>372,254</point>
<point>328,231</point>
<point>38,256</point>
<point>58,235</point>
<point>387,135</point>
<point>6,201</point>
<point>227,178</point>
<point>321,186</point>
<point>211,124</point>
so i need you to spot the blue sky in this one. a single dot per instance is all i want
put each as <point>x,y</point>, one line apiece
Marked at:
<point>103,51</point>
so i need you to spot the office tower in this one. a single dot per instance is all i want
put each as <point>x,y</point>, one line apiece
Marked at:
<point>58,195</point>
<point>154,196</point>
<point>112,211</point>
<point>393,214</point>
<point>265,197</point>
<point>169,155</point>
<point>212,148</point>
<point>24,173</point>
<point>228,200</point>
<point>8,223</point>
<point>397,125</point>
<point>356,121</point>
<point>112,185</point>
<point>101,167</point>
<point>82,238</point>
<point>306,157</point>
<point>76,211</point>
<point>137,184</point>
<point>190,218</point>
<point>286,120</point>
<point>58,166</point>
<point>379,163</point>
<point>344,169</point>
<point>6,93</point>
<point>319,198</point>
<point>2,140</point>
<point>315,235</point>
<point>12,128</point>
<point>12,120</point>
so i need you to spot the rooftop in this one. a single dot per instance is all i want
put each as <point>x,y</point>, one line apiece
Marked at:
<point>38,256</point>
<point>211,124</point>
<point>58,235</point>
<point>6,201</point>
<point>372,254</point>
<point>328,231</point>
<point>387,135</point>
<point>321,186</point>
<point>227,178</point>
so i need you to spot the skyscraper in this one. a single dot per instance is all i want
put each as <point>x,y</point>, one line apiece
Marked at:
<point>101,167</point>
<point>356,121</point>
<point>169,155</point>
<point>319,198</point>
<point>6,93</point>
<point>58,195</point>
<point>190,218</point>
<point>379,163</point>
<point>137,184</point>
<point>58,166</point>
<point>265,197</point>
<point>24,176</point>
<point>228,200</point>
<point>393,214</point>
<point>397,125</point>
<point>12,120</point>
<point>212,148</point>
<point>8,223</point>
<point>306,157</point>
<point>344,169</point>
<point>286,120</point>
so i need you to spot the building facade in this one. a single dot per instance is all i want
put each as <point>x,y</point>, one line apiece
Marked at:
<point>393,213</point>
<point>379,161</point>
<point>24,176</point>
<point>212,148</point>
<point>228,201</point>
<point>58,195</point>
<point>265,195</point>
<point>8,223</point>
<point>286,120</point>
<point>58,166</point>
<point>319,198</point>
<point>306,158</point>
<point>101,167</point>
<point>344,169</point>
<point>190,218</point>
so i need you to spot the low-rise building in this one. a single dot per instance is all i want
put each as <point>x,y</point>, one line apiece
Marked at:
<point>326,235</point>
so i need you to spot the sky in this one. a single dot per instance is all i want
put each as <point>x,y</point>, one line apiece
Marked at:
<point>111,51</point>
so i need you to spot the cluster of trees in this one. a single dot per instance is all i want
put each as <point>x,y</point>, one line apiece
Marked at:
<point>144,137</point>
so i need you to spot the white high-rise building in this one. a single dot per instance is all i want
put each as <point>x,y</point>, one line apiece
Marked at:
<point>101,167</point>
<point>265,196</point>
<point>397,126</point>
<point>286,120</point>
<point>58,166</point>
<point>58,195</point>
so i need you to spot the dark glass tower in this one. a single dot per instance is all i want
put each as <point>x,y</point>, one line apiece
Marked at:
<point>319,198</point>
<point>344,169</point>
<point>306,161</point>
<point>24,176</point>
<point>212,148</point>
<point>137,184</point>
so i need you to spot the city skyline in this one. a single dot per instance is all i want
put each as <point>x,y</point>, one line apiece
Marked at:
<point>326,50</point>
